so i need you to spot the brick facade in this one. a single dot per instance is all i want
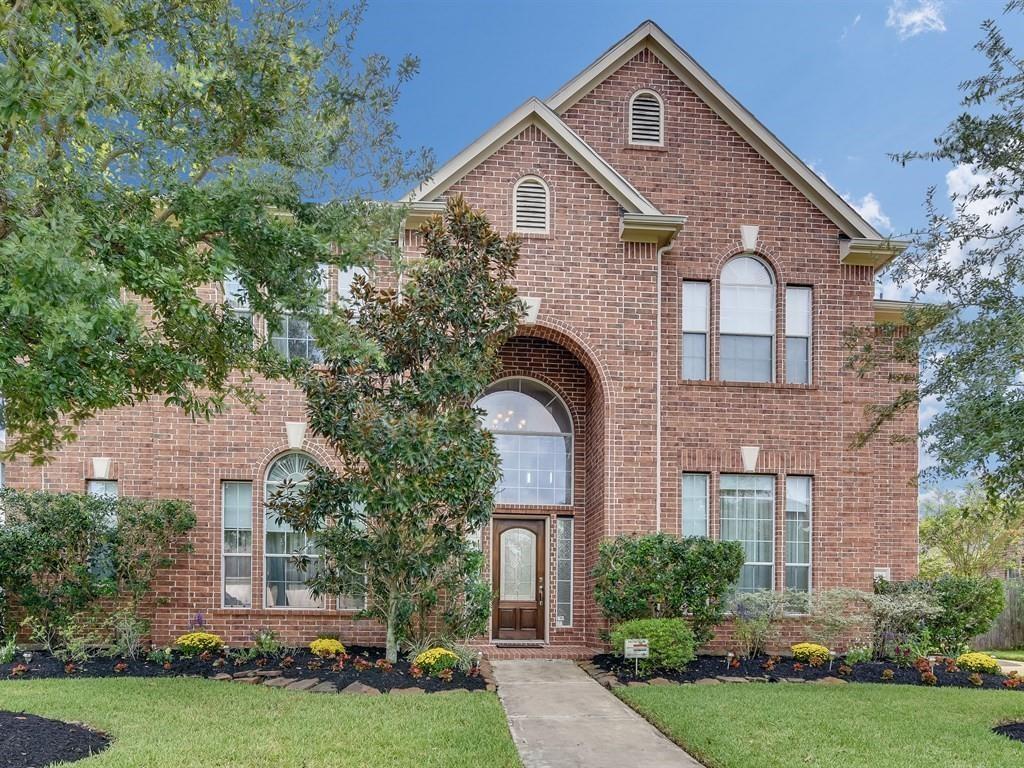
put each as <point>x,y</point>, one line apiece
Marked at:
<point>607,340</point>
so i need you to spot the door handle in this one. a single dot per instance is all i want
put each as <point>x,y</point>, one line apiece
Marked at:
<point>540,590</point>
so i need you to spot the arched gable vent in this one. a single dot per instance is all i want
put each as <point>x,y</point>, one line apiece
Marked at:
<point>646,119</point>
<point>531,205</point>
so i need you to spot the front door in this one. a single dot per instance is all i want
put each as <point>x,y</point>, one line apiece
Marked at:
<point>518,573</point>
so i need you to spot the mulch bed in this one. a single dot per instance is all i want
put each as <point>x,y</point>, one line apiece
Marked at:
<point>1013,731</point>
<point>302,665</point>
<point>27,741</point>
<point>775,669</point>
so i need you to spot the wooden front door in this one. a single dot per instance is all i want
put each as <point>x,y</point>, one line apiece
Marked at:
<point>518,572</point>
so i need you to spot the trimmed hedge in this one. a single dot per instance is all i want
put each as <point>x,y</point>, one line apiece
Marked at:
<point>671,642</point>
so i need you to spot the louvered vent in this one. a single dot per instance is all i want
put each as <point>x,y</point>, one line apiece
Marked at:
<point>645,119</point>
<point>531,214</point>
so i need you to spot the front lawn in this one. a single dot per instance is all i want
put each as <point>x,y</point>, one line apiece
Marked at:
<point>184,723</point>
<point>1017,655</point>
<point>781,725</point>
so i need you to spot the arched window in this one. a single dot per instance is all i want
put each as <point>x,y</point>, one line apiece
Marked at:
<point>533,433</point>
<point>531,203</point>
<point>646,119</point>
<point>747,320</point>
<point>285,582</point>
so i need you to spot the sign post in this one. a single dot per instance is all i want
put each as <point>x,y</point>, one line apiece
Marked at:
<point>636,648</point>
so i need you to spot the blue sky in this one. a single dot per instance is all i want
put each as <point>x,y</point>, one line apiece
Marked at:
<point>841,83</point>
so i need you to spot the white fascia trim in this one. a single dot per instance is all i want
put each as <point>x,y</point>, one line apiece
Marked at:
<point>650,35</point>
<point>645,228</point>
<point>535,112</point>
<point>872,252</point>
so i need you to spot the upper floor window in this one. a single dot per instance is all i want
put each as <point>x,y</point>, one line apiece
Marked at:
<point>646,119</point>
<point>533,434</point>
<point>798,335</point>
<point>695,329</point>
<point>747,322</point>
<point>293,338</point>
<point>235,296</point>
<point>346,278</point>
<point>531,205</point>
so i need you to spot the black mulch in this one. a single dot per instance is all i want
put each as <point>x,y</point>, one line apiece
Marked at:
<point>775,669</point>
<point>1013,731</point>
<point>27,741</point>
<point>296,664</point>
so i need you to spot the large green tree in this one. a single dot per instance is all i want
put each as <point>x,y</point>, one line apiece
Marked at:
<point>149,148</point>
<point>968,262</point>
<point>419,469</point>
<point>970,533</point>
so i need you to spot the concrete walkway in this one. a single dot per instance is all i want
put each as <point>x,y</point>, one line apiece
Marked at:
<point>560,717</point>
<point>1011,666</point>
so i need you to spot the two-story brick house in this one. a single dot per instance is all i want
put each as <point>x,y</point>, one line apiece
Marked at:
<point>681,369</point>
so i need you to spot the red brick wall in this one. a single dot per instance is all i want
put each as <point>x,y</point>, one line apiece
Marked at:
<point>596,342</point>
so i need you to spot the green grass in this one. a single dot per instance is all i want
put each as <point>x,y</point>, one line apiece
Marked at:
<point>202,724</point>
<point>852,726</point>
<point>1007,655</point>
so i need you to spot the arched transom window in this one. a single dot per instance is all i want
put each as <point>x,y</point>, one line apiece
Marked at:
<point>533,433</point>
<point>285,582</point>
<point>747,320</point>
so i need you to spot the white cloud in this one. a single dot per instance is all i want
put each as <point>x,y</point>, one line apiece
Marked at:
<point>908,21</point>
<point>850,27</point>
<point>869,207</point>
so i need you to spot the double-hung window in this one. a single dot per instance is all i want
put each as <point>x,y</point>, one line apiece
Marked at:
<point>798,335</point>
<point>284,545</point>
<point>236,501</point>
<point>747,321</point>
<point>695,504</point>
<point>695,329</point>
<point>747,504</point>
<point>797,545</point>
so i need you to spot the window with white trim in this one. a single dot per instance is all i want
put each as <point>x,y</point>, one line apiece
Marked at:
<point>797,533</point>
<point>531,205</point>
<point>293,339</point>
<point>646,119</point>
<point>533,434</point>
<point>284,580</point>
<point>747,504</point>
<point>696,322</point>
<point>106,489</point>
<point>798,335</point>
<point>235,297</point>
<point>236,522</point>
<point>747,324</point>
<point>695,504</point>
<point>563,572</point>
<point>346,278</point>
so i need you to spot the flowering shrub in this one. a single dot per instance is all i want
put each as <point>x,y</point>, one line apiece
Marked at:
<point>978,662</point>
<point>435,661</point>
<point>811,653</point>
<point>195,643</point>
<point>326,647</point>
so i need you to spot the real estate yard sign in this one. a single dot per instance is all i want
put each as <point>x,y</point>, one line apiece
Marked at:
<point>636,648</point>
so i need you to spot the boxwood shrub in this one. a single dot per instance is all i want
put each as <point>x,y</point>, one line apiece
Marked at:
<point>671,642</point>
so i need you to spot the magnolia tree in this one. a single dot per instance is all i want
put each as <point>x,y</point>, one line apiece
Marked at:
<point>149,148</point>
<point>419,469</point>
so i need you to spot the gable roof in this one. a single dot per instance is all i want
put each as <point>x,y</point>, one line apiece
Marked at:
<point>650,35</point>
<point>535,112</point>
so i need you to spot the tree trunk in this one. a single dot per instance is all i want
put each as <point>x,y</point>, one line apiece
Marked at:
<point>392,642</point>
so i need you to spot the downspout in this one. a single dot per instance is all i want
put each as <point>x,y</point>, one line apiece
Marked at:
<point>657,396</point>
